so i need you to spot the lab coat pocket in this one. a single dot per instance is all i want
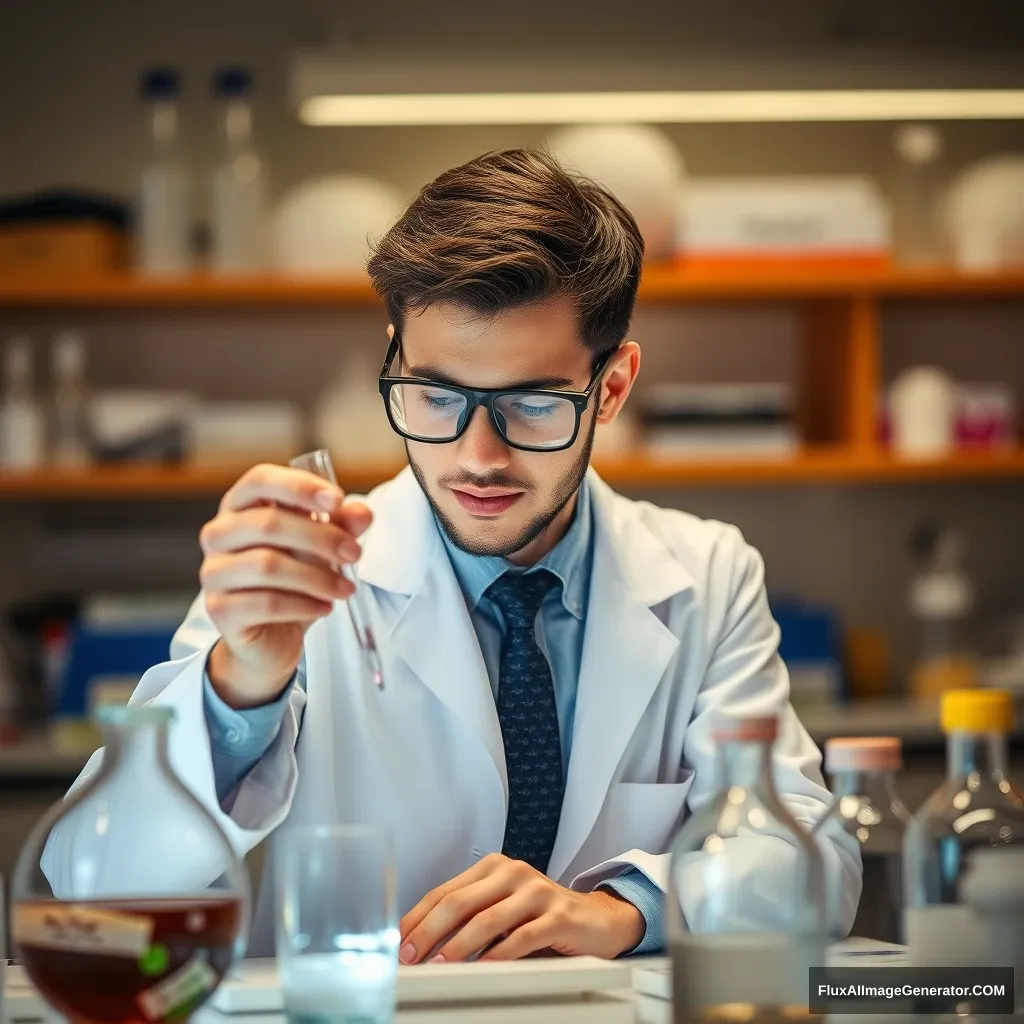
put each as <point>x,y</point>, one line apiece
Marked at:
<point>645,815</point>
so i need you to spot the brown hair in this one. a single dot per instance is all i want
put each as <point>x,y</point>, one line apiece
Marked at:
<point>509,228</point>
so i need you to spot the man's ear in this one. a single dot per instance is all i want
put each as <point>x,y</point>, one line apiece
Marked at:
<point>391,332</point>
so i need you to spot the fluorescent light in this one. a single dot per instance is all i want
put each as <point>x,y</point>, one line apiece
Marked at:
<point>663,107</point>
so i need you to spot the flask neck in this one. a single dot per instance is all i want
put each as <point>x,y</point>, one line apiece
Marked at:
<point>747,763</point>
<point>880,786</point>
<point>135,746</point>
<point>981,755</point>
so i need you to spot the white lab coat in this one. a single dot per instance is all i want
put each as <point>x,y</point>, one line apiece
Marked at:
<point>678,630</point>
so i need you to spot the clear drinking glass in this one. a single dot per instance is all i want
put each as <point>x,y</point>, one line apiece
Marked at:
<point>337,926</point>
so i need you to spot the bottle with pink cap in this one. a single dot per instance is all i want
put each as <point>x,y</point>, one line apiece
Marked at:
<point>867,807</point>
<point>745,902</point>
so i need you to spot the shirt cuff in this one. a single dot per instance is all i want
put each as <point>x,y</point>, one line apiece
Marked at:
<point>648,898</point>
<point>238,739</point>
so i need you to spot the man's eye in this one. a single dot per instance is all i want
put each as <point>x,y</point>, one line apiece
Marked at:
<point>534,410</point>
<point>439,402</point>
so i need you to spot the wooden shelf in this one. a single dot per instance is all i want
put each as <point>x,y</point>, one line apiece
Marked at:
<point>821,466</point>
<point>660,284</point>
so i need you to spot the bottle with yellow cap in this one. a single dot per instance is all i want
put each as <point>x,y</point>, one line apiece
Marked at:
<point>977,807</point>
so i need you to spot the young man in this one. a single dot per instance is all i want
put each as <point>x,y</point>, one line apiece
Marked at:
<point>554,655</point>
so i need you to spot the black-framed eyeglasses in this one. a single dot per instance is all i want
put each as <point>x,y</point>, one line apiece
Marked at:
<point>528,419</point>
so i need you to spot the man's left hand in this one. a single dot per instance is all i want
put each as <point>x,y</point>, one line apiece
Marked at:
<point>514,910</point>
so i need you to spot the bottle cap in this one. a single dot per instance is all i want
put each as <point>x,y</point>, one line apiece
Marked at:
<point>752,729</point>
<point>977,711</point>
<point>161,84</point>
<point>863,754</point>
<point>232,83</point>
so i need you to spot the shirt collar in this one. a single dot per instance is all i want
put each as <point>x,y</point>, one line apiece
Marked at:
<point>569,560</point>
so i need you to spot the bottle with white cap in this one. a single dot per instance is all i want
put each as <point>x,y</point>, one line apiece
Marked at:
<point>70,420</point>
<point>977,807</point>
<point>745,903</point>
<point>867,807</point>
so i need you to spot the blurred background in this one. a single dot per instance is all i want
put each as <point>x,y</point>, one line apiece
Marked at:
<point>832,315</point>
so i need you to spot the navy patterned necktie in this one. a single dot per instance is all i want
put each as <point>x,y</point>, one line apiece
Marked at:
<point>529,721</point>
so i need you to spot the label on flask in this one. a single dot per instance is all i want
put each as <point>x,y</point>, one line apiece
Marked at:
<point>177,990</point>
<point>71,926</point>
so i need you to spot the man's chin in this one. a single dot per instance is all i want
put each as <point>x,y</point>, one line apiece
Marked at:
<point>496,535</point>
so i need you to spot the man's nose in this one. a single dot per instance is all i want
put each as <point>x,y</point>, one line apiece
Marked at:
<point>481,448</point>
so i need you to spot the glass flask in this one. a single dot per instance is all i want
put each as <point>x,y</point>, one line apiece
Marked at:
<point>745,906</point>
<point>128,902</point>
<point>866,807</point>
<point>976,808</point>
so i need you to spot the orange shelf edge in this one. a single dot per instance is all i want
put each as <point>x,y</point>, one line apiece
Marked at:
<point>813,466</point>
<point>660,284</point>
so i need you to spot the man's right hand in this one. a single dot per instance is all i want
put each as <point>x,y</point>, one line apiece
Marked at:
<point>268,574</point>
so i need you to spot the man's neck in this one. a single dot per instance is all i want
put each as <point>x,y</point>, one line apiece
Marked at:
<point>548,537</point>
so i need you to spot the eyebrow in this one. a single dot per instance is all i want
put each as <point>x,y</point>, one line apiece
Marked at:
<point>432,373</point>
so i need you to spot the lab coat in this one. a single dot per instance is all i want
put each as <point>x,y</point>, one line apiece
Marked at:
<point>678,631</point>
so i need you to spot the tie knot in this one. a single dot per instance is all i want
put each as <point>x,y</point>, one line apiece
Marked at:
<point>520,595</point>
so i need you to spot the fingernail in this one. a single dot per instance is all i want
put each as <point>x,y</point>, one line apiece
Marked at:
<point>407,954</point>
<point>439,959</point>
<point>350,552</point>
<point>327,499</point>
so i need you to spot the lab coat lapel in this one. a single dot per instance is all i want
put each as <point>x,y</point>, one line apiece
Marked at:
<point>433,633</point>
<point>626,650</point>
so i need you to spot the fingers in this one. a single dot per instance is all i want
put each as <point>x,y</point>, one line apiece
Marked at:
<point>276,527</point>
<point>531,937</point>
<point>413,918</point>
<point>265,568</point>
<point>450,913</point>
<point>298,489</point>
<point>234,612</point>
<point>496,921</point>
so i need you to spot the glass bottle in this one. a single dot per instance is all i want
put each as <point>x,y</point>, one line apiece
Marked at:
<point>866,807</point>
<point>239,180</point>
<point>976,808</point>
<point>165,198</point>
<point>918,148</point>
<point>70,402</point>
<point>128,901</point>
<point>22,423</point>
<point>745,906</point>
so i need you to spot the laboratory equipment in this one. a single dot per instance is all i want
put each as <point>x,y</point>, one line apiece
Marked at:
<point>977,807</point>
<point>70,414</point>
<point>867,807</point>
<point>22,423</point>
<point>337,924</point>
<point>740,947</point>
<point>918,149</point>
<point>319,462</point>
<point>941,598</point>
<point>922,413</point>
<point>165,200</point>
<point>239,181</point>
<point>111,925</point>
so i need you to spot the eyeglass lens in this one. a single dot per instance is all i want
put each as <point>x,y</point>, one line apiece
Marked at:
<point>435,413</point>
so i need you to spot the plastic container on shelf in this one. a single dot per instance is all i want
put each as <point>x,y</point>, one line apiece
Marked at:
<point>239,210</point>
<point>22,421</point>
<point>163,242</point>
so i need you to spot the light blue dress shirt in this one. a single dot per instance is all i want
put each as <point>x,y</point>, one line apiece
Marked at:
<point>240,738</point>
